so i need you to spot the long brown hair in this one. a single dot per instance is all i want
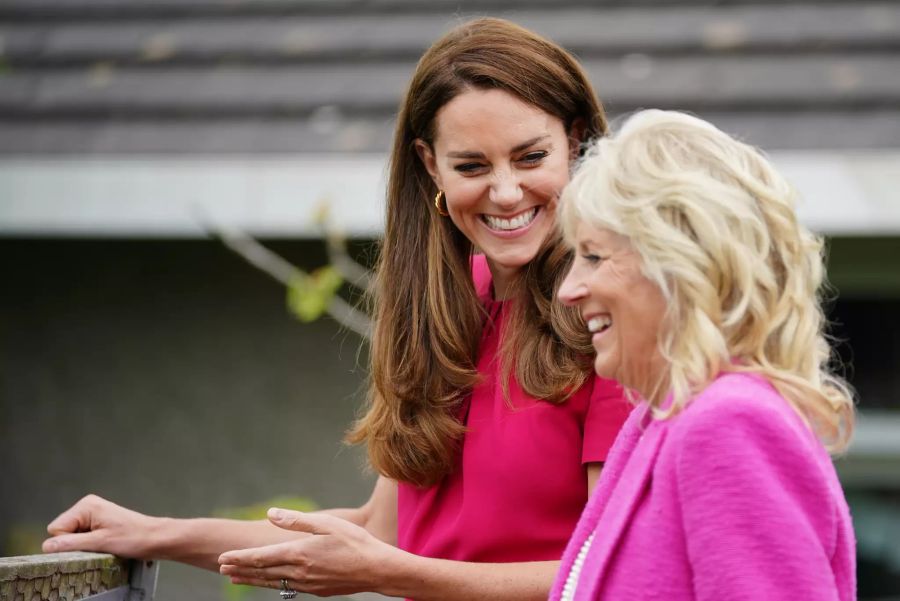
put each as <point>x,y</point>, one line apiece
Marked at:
<point>428,319</point>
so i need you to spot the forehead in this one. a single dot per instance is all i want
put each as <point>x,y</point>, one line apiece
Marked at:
<point>477,117</point>
<point>587,234</point>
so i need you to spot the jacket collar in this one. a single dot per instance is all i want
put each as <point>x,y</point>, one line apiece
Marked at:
<point>614,503</point>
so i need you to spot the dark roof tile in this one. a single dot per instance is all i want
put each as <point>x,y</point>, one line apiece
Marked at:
<point>352,38</point>
<point>281,75</point>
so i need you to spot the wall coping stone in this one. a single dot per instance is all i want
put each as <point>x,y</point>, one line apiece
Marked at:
<point>39,566</point>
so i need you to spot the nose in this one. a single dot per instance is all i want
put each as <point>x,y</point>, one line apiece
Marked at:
<point>505,190</point>
<point>572,290</point>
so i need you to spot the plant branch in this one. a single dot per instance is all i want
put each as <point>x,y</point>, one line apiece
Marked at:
<point>285,272</point>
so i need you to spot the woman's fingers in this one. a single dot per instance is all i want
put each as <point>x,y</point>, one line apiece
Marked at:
<point>310,523</point>
<point>340,558</point>
<point>77,518</point>
<point>276,584</point>
<point>269,574</point>
<point>76,529</point>
<point>287,552</point>
<point>69,521</point>
<point>81,541</point>
<point>261,557</point>
<point>95,524</point>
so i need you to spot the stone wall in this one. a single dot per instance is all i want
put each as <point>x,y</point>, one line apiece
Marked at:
<point>60,576</point>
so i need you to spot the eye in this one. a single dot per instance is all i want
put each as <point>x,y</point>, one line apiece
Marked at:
<point>592,259</point>
<point>533,158</point>
<point>465,168</point>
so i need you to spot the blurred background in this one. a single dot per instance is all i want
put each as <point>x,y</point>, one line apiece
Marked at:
<point>142,359</point>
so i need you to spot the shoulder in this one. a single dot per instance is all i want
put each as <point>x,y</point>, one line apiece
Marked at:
<point>740,456</point>
<point>736,398</point>
<point>740,410</point>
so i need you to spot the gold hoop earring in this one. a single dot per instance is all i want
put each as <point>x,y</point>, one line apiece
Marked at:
<point>437,204</point>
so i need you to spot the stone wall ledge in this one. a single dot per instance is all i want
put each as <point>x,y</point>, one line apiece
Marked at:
<point>62,576</point>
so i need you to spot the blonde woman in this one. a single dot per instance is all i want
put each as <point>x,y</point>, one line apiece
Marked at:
<point>700,290</point>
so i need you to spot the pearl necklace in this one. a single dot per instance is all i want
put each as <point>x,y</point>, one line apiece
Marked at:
<point>568,592</point>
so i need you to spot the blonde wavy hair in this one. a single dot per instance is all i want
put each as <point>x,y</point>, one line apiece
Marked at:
<point>716,228</point>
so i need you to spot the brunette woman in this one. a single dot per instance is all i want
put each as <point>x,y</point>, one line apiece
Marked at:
<point>485,421</point>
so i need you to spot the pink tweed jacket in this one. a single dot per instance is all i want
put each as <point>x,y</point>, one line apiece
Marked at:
<point>734,498</point>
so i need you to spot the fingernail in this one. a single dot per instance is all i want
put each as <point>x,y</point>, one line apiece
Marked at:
<point>276,514</point>
<point>51,546</point>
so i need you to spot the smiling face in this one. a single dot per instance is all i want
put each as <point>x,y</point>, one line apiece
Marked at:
<point>501,164</point>
<point>622,308</point>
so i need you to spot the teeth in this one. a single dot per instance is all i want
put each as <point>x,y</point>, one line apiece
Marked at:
<point>599,323</point>
<point>515,223</point>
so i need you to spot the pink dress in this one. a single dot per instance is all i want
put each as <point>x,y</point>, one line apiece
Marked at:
<point>520,484</point>
<point>734,498</point>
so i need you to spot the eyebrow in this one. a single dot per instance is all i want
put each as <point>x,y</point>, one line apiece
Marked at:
<point>468,154</point>
<point>588,247</point>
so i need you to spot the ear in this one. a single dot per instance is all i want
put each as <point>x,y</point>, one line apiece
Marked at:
<point>426,155</point>
<point>576,137</point>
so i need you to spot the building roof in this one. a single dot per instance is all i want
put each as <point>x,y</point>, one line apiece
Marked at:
<point>257,76</point>
<point>97,94</point>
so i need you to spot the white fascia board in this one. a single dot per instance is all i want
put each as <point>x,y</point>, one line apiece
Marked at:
<point>849,193</point>
<point>873,459</point>
<point>877,434</point>
<point>182,196</point>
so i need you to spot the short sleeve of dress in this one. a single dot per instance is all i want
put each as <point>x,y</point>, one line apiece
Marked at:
<point>606,413</point>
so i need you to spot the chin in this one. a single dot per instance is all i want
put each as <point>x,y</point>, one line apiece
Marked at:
<point>510,262</point>
<point>513,253</point>
<point>603,369</point>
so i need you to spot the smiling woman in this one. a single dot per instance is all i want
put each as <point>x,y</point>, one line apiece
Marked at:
<point>700,288</point>
<point>500,163</point>
<point>484,421</point>
<point>622,308</point>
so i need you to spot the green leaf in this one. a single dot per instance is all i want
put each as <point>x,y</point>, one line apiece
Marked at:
<point>257,511</point>
<point>310,294</point>
<point>236,592</point>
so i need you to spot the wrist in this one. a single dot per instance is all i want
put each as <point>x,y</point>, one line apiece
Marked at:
<point>162,535</point>
<point>399,575</point>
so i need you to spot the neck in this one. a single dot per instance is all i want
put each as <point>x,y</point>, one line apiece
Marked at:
<point>651,384</point>
<point>503,278</point>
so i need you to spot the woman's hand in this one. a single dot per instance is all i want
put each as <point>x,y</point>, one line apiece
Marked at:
<point>340,557</point>
<point>95,524</point>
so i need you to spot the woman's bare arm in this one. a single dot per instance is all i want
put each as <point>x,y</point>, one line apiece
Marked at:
<point>95,524</point>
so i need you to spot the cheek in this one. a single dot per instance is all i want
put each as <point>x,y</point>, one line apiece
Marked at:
<point>648,311</point>
<point>462,194</point>
<point>548,181</point>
